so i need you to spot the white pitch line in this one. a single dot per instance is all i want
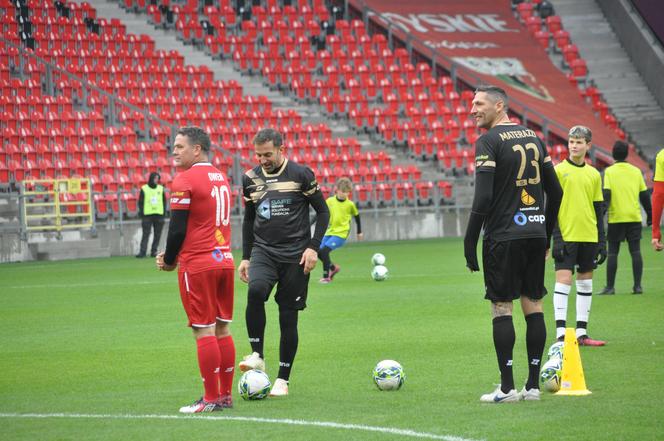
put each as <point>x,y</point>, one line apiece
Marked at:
<point>93,284</point>
<point>325,424</point>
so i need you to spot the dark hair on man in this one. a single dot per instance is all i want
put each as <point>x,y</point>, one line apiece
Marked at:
<point>495,92</point>
<point>197,136</point>
<point>620,150</point>
<point>581,132</point>
<point>266,135</point>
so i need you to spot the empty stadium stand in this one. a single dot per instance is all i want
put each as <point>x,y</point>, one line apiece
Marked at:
<point>84,97</point>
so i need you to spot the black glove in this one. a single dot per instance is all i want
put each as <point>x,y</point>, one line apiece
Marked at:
<point>470,252</point>
<point>601,253</point>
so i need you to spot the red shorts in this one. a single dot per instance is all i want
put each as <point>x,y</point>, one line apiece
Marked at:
<point>207,296</point>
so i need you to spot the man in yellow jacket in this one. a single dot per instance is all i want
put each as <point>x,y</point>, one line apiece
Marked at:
<point>151,208</point>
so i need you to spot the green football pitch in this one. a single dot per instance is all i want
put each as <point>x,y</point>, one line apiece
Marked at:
<point>99,350</point>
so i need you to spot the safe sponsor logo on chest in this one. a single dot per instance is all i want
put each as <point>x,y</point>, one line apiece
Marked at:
<point>280,207</point>
<point>522,219</point>
<point>275,207</point>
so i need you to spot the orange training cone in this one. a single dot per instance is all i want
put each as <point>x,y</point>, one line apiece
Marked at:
<point>572,380</point>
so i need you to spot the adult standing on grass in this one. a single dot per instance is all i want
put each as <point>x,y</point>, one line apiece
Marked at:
<point>513,172</point>
<point>198,244</point>
<point>624,187</point>
<point>658,201</point>
<point>277,247</point>
<point>579,242</point>
<point>151,209</point>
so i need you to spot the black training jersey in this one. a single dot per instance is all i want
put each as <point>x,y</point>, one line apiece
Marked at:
<point>281,200</point>
<point>517,157</point>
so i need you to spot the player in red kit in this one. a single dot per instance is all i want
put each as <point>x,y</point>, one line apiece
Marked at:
<point>198,244</point>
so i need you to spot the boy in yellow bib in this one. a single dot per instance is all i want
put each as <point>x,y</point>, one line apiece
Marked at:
<point>342,209</point>
<point>578,240</point>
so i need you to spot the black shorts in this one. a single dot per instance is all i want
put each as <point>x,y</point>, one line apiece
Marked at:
<point>574,255</point>
<point>292,283</point>
<point>514,268</point>
<point>630,231</point>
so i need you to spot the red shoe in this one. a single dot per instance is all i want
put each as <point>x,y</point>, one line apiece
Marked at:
<point>584,340</point>
<point>334,271</point>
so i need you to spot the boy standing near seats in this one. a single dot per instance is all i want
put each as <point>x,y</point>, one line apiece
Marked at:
<point>578,240</point>
<point>341,211</point>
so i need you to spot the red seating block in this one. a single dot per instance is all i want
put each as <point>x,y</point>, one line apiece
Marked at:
<point>579,68</point>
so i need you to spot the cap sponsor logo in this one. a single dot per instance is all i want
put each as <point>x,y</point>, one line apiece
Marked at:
<point>218,255</point>
<point>521,219</point>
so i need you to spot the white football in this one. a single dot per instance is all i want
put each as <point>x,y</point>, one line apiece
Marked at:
<point>254,385</point>
<point>551,374</point>
<point>388,375</point>
<point>378,259</point>
<point>556,350</point>
<point>379,273</point>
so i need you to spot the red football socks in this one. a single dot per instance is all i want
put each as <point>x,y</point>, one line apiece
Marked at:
<point>227,365</point>
<point>209,360</point>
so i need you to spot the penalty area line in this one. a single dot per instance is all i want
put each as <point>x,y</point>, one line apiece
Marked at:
<point>291,422</point>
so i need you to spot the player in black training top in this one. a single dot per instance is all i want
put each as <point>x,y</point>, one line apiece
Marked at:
<point>277,247</point>
<point>513,171</point>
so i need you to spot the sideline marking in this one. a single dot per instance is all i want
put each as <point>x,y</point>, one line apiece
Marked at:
<point>92,284</point>
<point>327,424</point>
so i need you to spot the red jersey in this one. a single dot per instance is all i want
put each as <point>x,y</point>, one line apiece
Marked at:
<point>204,191</point>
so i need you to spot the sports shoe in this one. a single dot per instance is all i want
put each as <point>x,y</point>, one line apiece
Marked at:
<point>253,361</point>
<point>334,271</point>
<point>607,291</point>
<point>529,394</point>
<point>325,280</point>
<point>497,396</point>
<point>584,340</point>
<point>200,406</point>
<point>280,388</point>
<point>226,401</point>
<point>637,290</point>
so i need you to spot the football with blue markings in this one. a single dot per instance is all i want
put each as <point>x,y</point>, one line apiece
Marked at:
<point>556,350</point>
<point>389,375</point>
<point>254,385</point>
<point>550,375</point>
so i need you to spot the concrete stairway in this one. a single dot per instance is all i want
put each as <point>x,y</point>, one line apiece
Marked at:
<point>70,245</point>
<point>9,212</point>
<point>612,71</point>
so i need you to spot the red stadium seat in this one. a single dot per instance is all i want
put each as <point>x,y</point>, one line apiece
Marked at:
<point>542,38</point>
<point>553,24</point>
<point>579,68</point>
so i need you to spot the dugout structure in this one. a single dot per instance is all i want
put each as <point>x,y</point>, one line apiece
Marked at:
<point>56,205</point>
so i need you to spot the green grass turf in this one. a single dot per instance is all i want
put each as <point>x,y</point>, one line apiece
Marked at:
<point>108,337</point>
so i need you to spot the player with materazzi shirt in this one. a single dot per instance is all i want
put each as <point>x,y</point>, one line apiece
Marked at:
<point>198,244</point>
<point>513,174</point>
